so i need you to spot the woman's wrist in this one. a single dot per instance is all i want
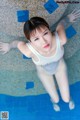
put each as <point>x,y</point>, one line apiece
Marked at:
<point>64,21</point>
<point>13,44</point>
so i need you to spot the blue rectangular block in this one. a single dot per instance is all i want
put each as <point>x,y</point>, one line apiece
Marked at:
<point>51,6</point>
<point>24,57</point>
<point>70,31</point>
<point>29,85</point>
<point>22,15</point>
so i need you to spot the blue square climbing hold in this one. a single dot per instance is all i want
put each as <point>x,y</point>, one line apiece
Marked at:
<point>22,15</point>
<point>29,85</point>
<point>51,6</point>
<point>70,31</point>
<point>24,57</point>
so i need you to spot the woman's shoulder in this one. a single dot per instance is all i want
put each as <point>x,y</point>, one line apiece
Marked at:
<point>61,35</point>
<point>22,46</point>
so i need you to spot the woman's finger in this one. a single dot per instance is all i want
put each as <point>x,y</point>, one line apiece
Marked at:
<point>77,16</point>
<point>77,13</point>
<point>4,52</point>
<point>0,46</point>
<point>74,20</point>
<point>1,43</point>
<point>74,10</point>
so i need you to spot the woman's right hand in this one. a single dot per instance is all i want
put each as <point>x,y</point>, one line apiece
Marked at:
<point>4,47</point>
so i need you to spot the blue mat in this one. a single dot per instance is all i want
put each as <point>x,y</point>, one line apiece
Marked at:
<point>40,107</point>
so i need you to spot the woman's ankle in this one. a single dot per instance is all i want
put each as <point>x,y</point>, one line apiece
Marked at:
<point>55,106</point>
<point>71,104</point>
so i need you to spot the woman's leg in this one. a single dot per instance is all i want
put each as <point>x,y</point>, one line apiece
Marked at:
<point>49,84</point>
<point>62,81</point>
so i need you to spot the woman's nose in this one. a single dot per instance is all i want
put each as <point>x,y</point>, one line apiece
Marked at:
<point>44,41</point>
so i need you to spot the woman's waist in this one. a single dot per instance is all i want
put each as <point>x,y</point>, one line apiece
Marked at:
<point>47,61</point>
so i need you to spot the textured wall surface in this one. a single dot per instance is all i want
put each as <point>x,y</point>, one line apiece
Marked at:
<point>16,71</point>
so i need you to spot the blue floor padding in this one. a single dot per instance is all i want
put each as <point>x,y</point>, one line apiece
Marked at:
<point>22,15</point>
<point>39,107</point>
<point>24,57</point>
<point>51,6</point>
<point>70,32</point>
<point>29,85</point>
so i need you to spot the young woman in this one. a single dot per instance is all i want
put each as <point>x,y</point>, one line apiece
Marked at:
<point>46,50</point>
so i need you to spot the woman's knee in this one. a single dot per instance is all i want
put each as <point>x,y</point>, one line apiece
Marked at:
<point>66,99</point>
<point>56,99</point>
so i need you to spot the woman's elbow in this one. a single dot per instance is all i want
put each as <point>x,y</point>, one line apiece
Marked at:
<point>64,41</point>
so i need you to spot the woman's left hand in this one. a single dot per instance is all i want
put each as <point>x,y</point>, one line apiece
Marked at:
<point>74,15</point>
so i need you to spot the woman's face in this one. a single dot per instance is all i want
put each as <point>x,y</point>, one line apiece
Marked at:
<point>41,39</point>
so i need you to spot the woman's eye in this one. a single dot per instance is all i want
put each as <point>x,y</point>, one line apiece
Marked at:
<point>36,39</point>
<point>45,33</point>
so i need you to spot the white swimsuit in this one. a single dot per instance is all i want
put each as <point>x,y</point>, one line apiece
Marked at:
<point>49,63</point>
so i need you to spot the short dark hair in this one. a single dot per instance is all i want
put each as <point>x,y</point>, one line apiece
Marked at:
<point>32,24</point>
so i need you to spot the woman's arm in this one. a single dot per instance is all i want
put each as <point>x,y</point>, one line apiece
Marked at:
<point>6,47</point>
<point>62,35</point>
<point>24,49</point>
<point>70,18</point>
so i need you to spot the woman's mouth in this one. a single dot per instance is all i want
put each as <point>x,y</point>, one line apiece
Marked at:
<point>46,46</point>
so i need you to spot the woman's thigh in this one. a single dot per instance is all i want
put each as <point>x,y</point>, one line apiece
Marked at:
<point>49,83</point>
